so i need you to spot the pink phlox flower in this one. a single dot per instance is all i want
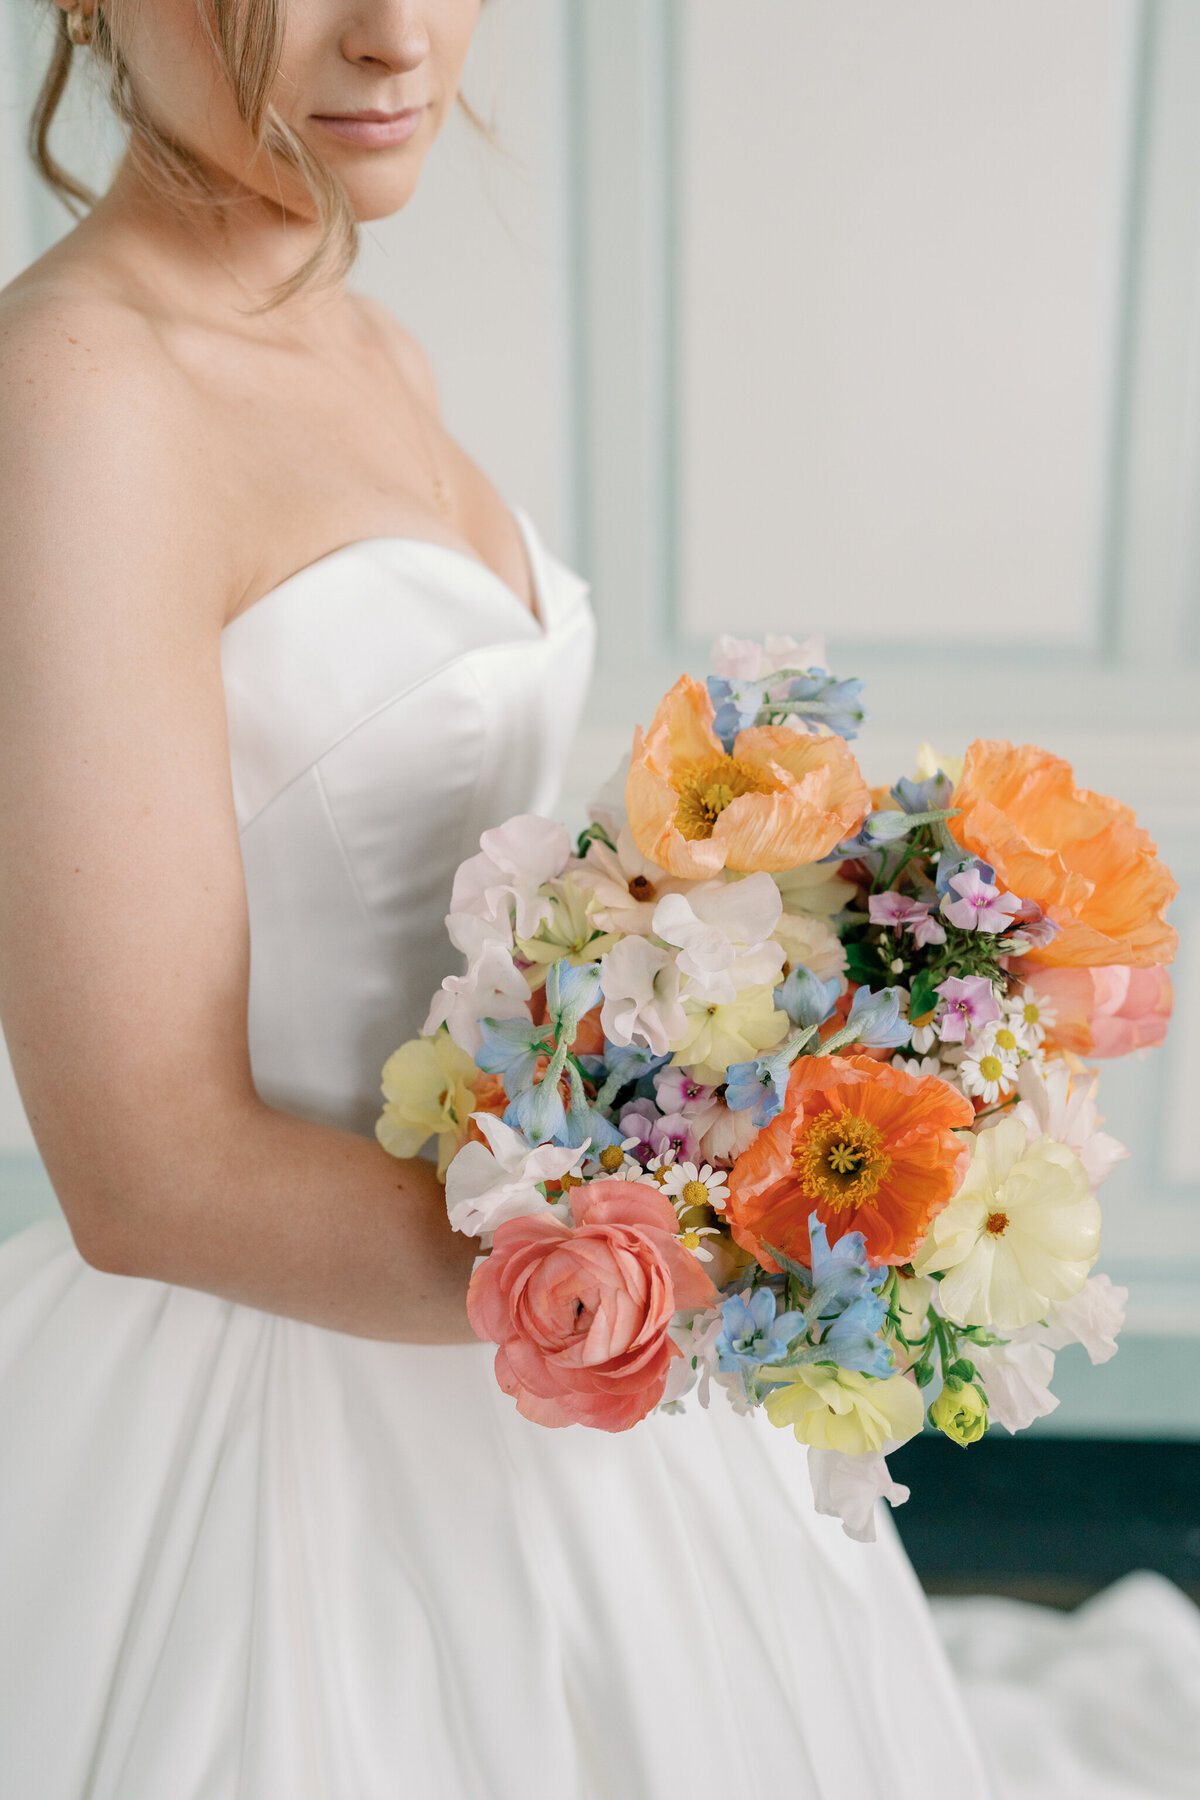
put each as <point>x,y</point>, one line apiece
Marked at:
<point>744,659</point>
<point>902,913</point>
<point>675,1132</point>
<point>680,1092</point>
<point>980,906</point>
<point>968,1003</point>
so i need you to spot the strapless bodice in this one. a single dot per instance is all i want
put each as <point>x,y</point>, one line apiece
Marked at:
<point>386,704</point>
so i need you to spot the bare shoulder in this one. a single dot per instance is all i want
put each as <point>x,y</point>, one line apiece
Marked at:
<point>102,444</point>
<point>410,355</point>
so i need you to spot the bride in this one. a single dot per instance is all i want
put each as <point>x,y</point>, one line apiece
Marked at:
<point>275,652</point>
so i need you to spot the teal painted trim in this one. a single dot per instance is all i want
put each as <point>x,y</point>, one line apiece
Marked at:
<point>1112,599</point>
<point>25,1194</point>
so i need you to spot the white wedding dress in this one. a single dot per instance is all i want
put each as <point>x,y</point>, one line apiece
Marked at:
<point>243,1558</point>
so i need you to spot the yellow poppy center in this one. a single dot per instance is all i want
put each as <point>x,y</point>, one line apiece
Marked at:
<point>997,1223</point>
<point>991,1068</point>
<point>840,1159</point>
<point>610,1158</point>
<point>706,789</point>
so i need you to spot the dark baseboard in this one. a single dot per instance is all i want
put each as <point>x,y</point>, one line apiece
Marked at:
<point>1052,1519</point>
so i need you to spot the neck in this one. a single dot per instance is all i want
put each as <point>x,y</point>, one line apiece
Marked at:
<point>218,259</point>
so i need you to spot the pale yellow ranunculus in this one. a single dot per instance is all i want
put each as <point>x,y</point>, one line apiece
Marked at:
<point>716,1036</point>
<point>571,930</point>
<point>1022,1231</point>
<point>839,1409</point>
<point>428,1091</point>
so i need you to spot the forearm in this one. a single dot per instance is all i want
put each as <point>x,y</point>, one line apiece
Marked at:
<point>293,1218</point>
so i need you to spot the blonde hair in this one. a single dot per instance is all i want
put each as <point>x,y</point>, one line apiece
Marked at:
<point>247,36</point>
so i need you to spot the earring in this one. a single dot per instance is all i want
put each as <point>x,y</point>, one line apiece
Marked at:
<point>81,26</point>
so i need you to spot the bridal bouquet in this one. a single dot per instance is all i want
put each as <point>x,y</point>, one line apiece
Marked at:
<point>777,1084</point>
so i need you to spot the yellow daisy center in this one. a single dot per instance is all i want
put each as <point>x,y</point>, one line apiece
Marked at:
<point>694,1193</point>
<point>840,1159</point>
<point>991,1068</point>
<point>1031,1013</point>
<point>1005,1039</point>
<point>706,789</point>
<point>997,1223</point>
<point>611,1158</point>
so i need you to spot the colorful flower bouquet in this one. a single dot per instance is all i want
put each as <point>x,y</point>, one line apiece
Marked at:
<point>774,1083</point>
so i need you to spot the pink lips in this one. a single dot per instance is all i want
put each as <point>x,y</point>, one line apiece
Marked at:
<point>374,130</point>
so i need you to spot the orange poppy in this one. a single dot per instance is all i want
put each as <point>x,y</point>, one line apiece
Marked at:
<point>781,799</point>
<point>1082,857</point>
<point>865,1146</point>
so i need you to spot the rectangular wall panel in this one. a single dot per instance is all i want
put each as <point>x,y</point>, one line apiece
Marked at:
<point>899,242</point>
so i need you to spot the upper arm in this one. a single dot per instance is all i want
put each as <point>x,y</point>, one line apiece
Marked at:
<point>123,933</point>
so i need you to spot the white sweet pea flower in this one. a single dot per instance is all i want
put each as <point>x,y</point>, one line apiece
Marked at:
<point>640,984</point>
<point>487,1184</point>
<point>848,1488</point>
<point>1017,1377</point>
<point>1092,1317</point>
<point>722,930</point>
<point>814,888</point>
<point>1052,1106</point>
<point>626,886</point>
<point>492,988</point>
<point>501,883</point>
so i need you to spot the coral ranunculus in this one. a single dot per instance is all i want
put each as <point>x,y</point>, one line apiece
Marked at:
<point>1081,856</point>
<point>781,799</point>
<point>867,1147</point>
<point>1103,1012</point>
<point>581,1314</point>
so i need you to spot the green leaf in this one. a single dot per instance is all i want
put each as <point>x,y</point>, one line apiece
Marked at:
<point>591,834</point>
<point>864,964</point>
<point>923,993</point>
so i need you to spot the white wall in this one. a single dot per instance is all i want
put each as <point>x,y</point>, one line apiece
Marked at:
<point>879,318</point>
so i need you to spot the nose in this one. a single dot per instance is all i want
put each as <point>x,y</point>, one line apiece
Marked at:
<point>388,34</point>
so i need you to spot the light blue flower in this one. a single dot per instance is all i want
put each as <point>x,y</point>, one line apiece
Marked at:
<point>572,989</point>
<point>806,999</point>
<point>538,1113</point>
<point>818,697</point>
<point>846,1313</point>
<point>511,1048</point>
<point>737,703</point>
<point>878,1019</point>
<point>754,1332</point>
<point>760,1084</point>
<point>950,866</point>
<point>932,795</point>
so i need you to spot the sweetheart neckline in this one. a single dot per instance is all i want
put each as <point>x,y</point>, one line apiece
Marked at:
<point>539,620</point>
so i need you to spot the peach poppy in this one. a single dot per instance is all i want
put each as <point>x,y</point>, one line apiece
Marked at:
<point>781,799</point>
<point>1081,856</point>
<point>865,1146</point>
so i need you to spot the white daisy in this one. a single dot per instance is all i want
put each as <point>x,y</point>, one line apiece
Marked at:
<point>985,1075</point>
<point>924,1037</point>
<point>1032,1014</point>
<point>918,1065</point>
<point>692,1238</point>
<point>614,1163</point>
<point>692,1186</point>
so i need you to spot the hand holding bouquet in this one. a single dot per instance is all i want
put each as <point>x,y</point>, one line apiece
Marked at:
<point>774,1083</point>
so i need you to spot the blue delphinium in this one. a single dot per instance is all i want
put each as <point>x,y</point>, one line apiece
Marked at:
<point>753,1331</point>
<point>511,1048</point>
<point>847,1311</point>
<point>760,1084</point>
<point>818,697</point>
<point>737,706</point>
<point>878,1018</point>
<point>806,999</point>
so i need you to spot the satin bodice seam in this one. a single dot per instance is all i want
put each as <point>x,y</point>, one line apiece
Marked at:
<point>560,630</point>
<point>343,852</point>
